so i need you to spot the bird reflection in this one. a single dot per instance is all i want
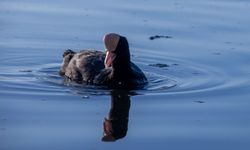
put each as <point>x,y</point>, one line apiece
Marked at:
<point>115,125</point>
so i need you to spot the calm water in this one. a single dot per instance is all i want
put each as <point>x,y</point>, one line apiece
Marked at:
<point>199,79</point>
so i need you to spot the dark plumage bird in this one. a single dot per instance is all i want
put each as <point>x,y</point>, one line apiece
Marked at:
<point>112,68</point>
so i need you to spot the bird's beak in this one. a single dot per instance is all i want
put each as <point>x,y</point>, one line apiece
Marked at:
<point>110,57</point>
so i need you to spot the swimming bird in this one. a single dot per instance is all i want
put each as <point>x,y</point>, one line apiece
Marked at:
<point>112,68</point>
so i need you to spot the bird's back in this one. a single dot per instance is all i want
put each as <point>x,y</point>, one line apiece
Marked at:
<point>87,64</point>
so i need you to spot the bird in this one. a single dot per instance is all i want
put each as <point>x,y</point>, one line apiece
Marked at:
<point>112,68</point>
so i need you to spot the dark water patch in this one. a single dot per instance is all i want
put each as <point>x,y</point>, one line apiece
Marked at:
<point>3,119</point>
<point>159,65</point>
<point>198,101</point>
<point>228,42</point>
<point>196,73</point>
<point>2,129</point>
<point>216,53</point>
<point>159,37</point>
<point>22,70</point>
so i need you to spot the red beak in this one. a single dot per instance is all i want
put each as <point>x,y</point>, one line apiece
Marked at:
<point>110,57</point>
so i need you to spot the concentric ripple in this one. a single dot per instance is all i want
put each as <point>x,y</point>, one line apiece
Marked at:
<point>172,77</point>
<point>176,76</point>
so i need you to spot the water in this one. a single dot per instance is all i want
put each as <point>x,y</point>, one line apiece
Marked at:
<point>199,81</point>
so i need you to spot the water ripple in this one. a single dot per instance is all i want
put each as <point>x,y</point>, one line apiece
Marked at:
<point>174,77</point>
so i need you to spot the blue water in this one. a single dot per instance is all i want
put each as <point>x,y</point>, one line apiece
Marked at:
<point>199,79</point>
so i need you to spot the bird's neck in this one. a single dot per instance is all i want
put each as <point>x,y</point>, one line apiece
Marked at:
<point>121,71</point>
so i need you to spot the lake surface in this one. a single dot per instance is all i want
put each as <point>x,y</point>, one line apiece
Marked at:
<point>198,96</point>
